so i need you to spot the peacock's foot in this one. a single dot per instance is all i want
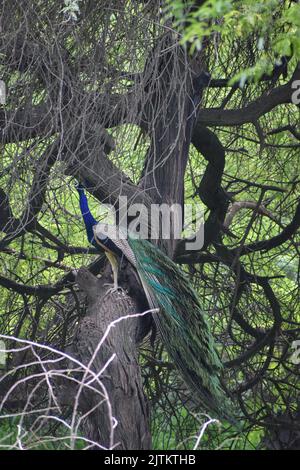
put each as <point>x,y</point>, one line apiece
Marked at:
<point>114,288</point>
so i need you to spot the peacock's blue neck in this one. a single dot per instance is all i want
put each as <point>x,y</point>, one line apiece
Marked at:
<point>88,219</point>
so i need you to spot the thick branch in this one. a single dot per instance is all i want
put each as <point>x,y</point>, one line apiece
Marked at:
<point>251,113</point>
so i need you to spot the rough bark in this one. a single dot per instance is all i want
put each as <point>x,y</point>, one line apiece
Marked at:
<point>122,378</point>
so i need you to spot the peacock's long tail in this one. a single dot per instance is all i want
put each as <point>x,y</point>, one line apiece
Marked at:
<point>183,326</point>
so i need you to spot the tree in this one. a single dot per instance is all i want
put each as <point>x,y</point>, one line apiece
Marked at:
<point>116,95</point>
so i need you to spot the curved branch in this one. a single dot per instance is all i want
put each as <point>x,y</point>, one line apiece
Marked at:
<point>251,113</point>
<point>278,240</point>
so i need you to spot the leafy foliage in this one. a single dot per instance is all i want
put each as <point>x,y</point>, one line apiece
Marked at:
<point>102,93</point>
<point>272,27</point>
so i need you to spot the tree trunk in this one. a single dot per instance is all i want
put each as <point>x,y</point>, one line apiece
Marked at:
<point>122,420</point>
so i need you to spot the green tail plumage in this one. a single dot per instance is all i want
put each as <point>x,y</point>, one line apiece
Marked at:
<point>183,326</point>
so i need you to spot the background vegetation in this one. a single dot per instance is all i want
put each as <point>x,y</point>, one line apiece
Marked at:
<point>111,93</point>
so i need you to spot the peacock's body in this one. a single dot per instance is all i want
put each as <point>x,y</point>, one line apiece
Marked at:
<point>180,320</point>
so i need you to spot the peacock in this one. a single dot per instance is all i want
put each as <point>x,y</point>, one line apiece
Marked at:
<point>182,325</point>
